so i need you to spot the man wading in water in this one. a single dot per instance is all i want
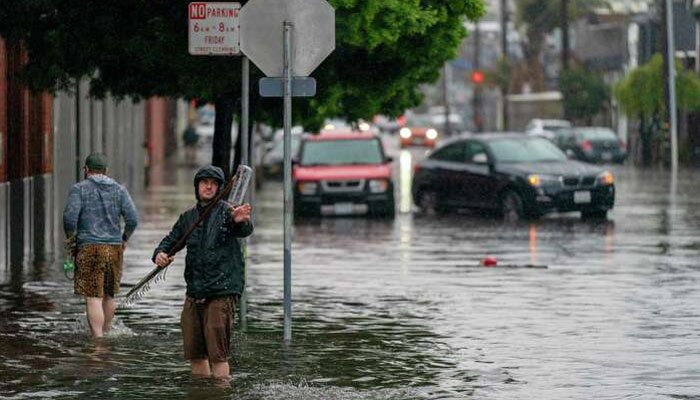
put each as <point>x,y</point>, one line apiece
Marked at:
<point>91,221</point>
<point>213,272</point>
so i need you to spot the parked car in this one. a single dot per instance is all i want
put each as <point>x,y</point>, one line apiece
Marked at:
<point>546,127</point>
<point>205,132</point>
<point>592,144</point>
<point>418,136</point>
<point>272,160</point>
<point>343,174</point>
<point>516,175</point>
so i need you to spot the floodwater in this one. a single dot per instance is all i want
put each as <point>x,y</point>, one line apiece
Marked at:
<point>396,309</point>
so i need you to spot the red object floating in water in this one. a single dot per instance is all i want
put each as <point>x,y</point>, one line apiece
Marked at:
<point>489,262</point>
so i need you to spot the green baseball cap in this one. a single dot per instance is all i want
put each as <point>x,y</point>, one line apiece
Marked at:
<point>96,162</point>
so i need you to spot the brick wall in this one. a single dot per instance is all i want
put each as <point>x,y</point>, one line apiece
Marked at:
<point>41,134</point>
<point>18,114</point>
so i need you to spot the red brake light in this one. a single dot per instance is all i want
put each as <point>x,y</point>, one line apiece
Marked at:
<point>586,145</point>
<point>417,168</point>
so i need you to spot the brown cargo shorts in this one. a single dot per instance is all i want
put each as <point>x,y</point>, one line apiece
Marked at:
<point>206,327</point>
<point>98,270</point>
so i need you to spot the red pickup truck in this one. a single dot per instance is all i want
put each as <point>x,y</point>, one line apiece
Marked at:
<point>344,173</point>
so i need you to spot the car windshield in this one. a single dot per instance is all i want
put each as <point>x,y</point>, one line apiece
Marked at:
<point>341,152</point>
<point>553,126</point>
<point>597,134</point>
<point>525,150</point>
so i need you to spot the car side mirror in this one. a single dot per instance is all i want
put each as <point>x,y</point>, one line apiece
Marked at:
<point>389,159</point>
<point>295,161</point>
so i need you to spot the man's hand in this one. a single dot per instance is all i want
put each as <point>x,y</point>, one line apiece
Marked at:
<point>162,260</point>
<point>241,213</point>
<point>124,245</point>
<point>72,244</point>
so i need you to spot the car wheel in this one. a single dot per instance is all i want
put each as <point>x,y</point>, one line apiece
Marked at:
<point>594,214</point>
<point>512,207</point>
<point>429,204</point>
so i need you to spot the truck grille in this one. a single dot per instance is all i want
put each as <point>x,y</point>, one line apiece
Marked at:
<point>355,185</point>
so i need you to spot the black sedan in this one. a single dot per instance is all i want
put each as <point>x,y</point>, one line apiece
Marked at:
<point>592,144</point>
<point>515,175</point>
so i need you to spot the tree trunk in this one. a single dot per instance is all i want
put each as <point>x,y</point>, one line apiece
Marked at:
<point>221,145</point>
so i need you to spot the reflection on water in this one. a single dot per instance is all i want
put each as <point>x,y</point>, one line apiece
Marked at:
<point>390,310</point>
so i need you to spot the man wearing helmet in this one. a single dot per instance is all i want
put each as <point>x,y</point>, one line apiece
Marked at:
<point>213,273</point>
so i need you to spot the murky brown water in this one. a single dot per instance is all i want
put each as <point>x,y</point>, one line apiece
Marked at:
<point>396,309</point>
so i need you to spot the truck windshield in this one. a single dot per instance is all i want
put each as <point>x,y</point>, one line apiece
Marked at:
<point>341,152</point>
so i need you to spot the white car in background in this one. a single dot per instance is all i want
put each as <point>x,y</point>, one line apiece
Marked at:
<point>205,131</point>
<point>546,127</point>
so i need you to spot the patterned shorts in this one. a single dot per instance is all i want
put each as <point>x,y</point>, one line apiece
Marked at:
<point>98,270</point>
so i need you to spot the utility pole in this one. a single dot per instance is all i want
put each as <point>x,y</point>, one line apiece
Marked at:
<point>477,118</point>
<point>669,72</point>
<point>564,34</point>
<point>446,97</point>
<point>672,112</point>
<point>504,55</point>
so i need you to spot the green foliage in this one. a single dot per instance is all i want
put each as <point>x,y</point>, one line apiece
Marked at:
<point>585,93</point>
<point>384,50</point>
<point>641,92</point>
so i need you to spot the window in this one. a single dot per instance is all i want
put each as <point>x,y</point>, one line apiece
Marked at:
<point>525,150</point>
<point>476,149</point>
<point>342,152</point>
<point>451,153</point>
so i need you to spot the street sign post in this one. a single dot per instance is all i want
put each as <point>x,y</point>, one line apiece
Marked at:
<point>287,40</point>
<point>214,28</point>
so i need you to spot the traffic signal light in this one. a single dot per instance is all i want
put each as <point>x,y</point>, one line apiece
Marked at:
<point>477,77</point>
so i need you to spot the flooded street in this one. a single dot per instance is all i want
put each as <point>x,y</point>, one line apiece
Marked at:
<point>395,309</point>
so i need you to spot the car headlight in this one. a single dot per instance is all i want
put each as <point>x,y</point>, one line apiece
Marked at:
<point>605,178</point>
<point>405,133</point>
<point>431,134</point>
<point>536,180</point>
<point>364,127</point>
<point>378,185</point>
<point>307,188</point>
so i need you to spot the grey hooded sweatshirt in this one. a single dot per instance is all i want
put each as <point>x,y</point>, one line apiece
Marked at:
<point>94,209</point>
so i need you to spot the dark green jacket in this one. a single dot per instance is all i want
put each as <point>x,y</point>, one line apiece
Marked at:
<point>214,262</point>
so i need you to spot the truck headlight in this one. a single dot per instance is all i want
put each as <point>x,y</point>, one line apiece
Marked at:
<point>307,188</point>
<point>405,133</point>
<point>378,185</point>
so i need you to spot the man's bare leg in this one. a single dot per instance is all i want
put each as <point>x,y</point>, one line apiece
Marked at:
<point>108,307</point>
<point>220,369</point>
<point>200,367</point>
<point>95,315</point>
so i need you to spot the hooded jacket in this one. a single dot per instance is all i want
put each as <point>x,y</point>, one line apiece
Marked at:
<point>94,209</point>
<point>214,261</point>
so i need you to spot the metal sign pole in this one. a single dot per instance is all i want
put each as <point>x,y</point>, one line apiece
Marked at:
<point>287,182</point>
<point>672,86</point>
<point>245,160</point>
